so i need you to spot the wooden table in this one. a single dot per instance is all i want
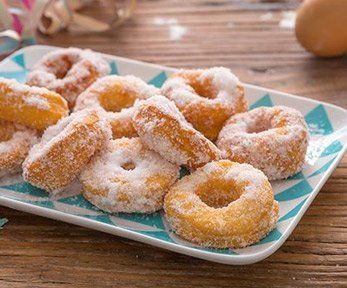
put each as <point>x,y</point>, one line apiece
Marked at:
<point>242,35</point>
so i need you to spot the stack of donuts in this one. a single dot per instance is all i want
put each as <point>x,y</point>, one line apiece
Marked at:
<point>126,141</point>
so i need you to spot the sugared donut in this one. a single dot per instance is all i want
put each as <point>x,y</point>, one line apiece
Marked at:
<point>272,139</point>
<point>114,93</point>
<point>223,205</point>
<point>15,142</point>
<point>117,95</point>
<point>65,149</point>
<point>206,97</point>
<point>33,107</point>
<point>68,71</point>
<point>128,177</point>
<point>162,127</point>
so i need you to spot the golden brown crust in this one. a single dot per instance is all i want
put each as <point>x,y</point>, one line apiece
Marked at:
<point>117,95</point>
<point>222,205</point>
<point>272,139</point>
<point>56,163</point>
<point>15,142</point>
<point>33,107</point>
<point>128,177</point>
<point>172,137</point>
<point>68,72</point>
<point>205,109</point>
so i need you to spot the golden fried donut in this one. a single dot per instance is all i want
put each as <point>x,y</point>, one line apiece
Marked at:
<point>206,97</point>
<point>272,139</point>
<point>15,142</point>
<point>117,94</point>
<point>34,107</point>
<point>65,149</point>
<point>128,177</point>
<point>68,71</point>
<point>223,205</point>
<point>162,127</point>
<point>114,93</point>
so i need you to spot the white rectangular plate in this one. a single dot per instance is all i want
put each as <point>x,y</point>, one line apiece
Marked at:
<point>328,129</point>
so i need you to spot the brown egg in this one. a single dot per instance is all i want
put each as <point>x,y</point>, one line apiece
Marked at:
<point>321,27</point>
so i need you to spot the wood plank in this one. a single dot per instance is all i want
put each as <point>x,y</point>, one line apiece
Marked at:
<point>39,252</point>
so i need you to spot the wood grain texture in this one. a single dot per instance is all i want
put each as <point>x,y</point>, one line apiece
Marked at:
<point>38,252</point>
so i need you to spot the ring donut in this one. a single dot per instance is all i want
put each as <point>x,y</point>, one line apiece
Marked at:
<point>68,72</point>
<point>33,107</point>
<point>206,97</point>
<point>15,143</point>
<point>223,205</point>
<point>162,127</point>
<point>128,177</point>
<point>272,139</point>
<point>114,93</point>
<point>65,149</point>
<point>117,95</point>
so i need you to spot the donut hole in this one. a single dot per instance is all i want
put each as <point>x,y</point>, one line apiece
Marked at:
<point>218,193</point>
<point>116,97</point>
<point>61,68</point>
<point>203,89</point>
<point>260,125</point>
<point>130,165</point>
<point>61,74</point>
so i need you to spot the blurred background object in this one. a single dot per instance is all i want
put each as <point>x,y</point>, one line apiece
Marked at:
<point>9,41</point>
<point>321,27</point>
<point>21,18</point>
<point>85,15</point>
<point>18,22</point>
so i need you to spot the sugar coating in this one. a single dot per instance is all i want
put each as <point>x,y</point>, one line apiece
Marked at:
<point>33,107</point>
<point>161,145</point>
<point>14,150</point>
<point>111,186</point>
<point>61,130</point>
<point>272,139</point>
<point>222,78</point>
<point>240,223</point>
<point>68,71</point>
<point>166,106</point>
<point>223,85</point>
<point>65,148</point>
<point>134,86</point>
<point>206,97</point>
<point>38,102</point>
<point>30,96</point>
<point>180,144</point>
